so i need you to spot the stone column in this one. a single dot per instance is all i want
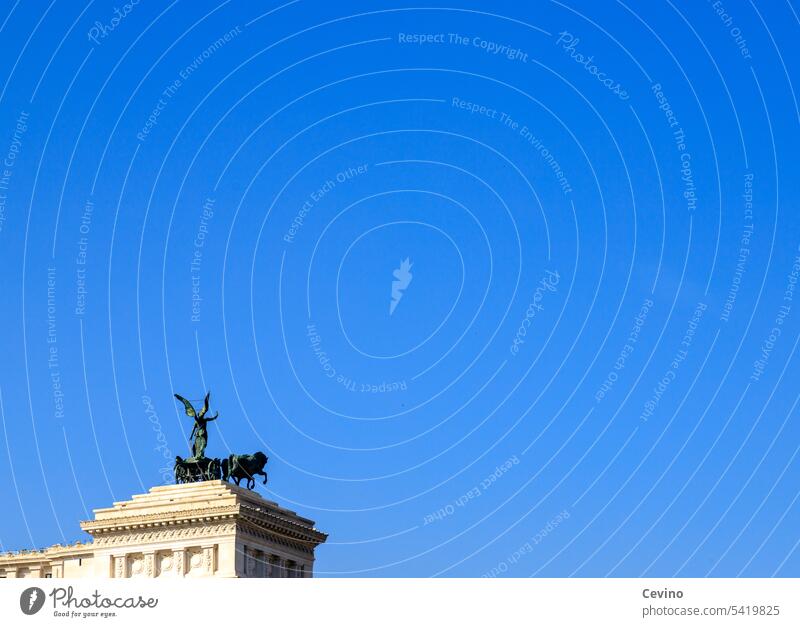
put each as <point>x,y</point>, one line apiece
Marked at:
<point>261,570</point>
<point>179,556</point>
<point>249,562</point>
<point>208,559</point>
<point>240,557</point>
<point>11,573</point>
<point>228,558</point>
<point>150,564</point>
<point>119,567</point>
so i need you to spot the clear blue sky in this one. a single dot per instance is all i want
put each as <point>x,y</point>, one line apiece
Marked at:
<point>588,365</point>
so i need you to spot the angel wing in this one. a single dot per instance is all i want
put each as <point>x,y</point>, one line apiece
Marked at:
<point>189,409</point>
<point>205,405</point>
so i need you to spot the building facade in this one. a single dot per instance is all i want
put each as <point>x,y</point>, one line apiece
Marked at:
<point>203,529</point>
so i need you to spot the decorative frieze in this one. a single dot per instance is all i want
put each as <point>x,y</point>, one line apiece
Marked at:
<point>165,534</point>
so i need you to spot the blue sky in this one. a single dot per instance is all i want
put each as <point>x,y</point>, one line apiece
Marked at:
<point>591,368</point>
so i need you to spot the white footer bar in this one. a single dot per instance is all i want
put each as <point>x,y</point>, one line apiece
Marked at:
<point>407,602</point>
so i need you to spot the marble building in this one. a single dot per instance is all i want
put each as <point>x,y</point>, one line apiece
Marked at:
<point>202,529</point>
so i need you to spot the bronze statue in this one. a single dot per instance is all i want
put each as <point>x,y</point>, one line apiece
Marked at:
<point>189,471</point>
<point>198,467</point>
<point>238,467</point>
<point>200,430</point>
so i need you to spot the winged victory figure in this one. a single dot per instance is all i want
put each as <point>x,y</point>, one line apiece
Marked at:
<point>199,436</point>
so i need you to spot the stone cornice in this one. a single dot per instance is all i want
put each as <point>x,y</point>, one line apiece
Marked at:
<point>301,532</point>
<point>141,521</point>
<point>57,551</point>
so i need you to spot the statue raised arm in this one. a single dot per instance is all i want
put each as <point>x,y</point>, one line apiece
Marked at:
<point>199,435</point>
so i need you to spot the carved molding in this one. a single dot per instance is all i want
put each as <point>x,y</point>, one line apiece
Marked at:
<point>204,518</point>
<point>165,534</point>
<point>258,533</point>
<point>150,520</point>
<point>285,525</point>
<point>180,562</point>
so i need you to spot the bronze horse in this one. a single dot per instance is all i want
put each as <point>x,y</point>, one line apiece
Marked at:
<point>238,467</point>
